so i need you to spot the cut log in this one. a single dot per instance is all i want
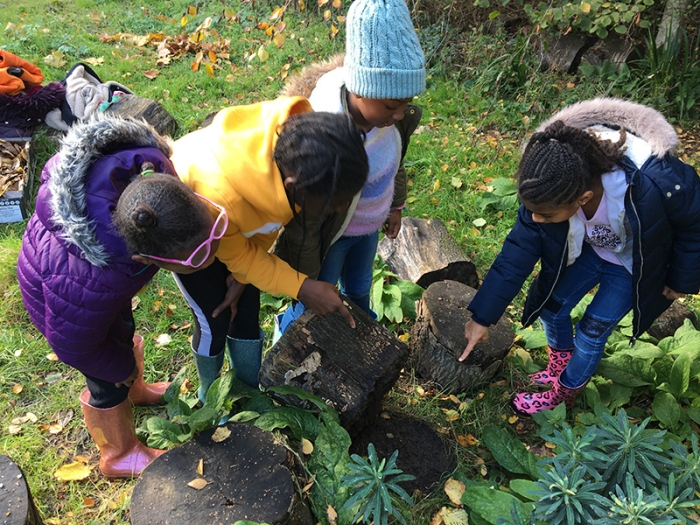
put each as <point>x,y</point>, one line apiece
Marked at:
<point>424,252</point>
<point>16,502</point>
<point>437,339</point>
<point>422,451</point>
<point>350,368</point>
<point>147,109</point>
<point>247,476</point>
<point>671,320</point>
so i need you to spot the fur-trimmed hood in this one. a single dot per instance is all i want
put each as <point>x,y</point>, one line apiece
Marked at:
<point>642,121</point>
<point>303,84</point>
<point>69,175</point>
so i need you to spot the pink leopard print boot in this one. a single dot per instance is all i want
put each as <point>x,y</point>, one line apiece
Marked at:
<point>532,402</point>
<point>556,365</point>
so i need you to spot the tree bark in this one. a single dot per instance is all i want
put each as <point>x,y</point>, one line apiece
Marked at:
<point>16,502</point>
<point>350,368</point>
<point>437,340</point>
<point>424,252</point>
<point>671,320</point>
<point>248,477</point>
<point>671,21</point>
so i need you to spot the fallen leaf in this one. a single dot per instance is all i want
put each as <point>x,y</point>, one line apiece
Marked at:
<point>220,434</point>
<point>55,428</point>
<point>17,389</point>
<point>82,459</point>
<point>456,182</point>
<point>263,54</point>
<point>307,447</point>
<point>278,39</point>
<point>135,301</point>
<point>198,483</point>
<point>55,59</point>
<point>88,502</point>
<point>550,445</point>
<point>151,74</point>
<point>97,61</point>
<point>330,511</point>
<point>454,490</point>
<point>18,352</point>
<point>420,391</point>
<point>52,357</point>
<point>14,429</point>
<point>451,415</point>
<point>75,471</point>
<point>513,419</point>
<point>200,467</point>
<point>447,516</point>
<point>479,222</point>
<point>163,340</point>
<point>308,486</point>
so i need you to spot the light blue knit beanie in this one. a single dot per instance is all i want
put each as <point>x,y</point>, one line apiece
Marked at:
<point>383,56</point>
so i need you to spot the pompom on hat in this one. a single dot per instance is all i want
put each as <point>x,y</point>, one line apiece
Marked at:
<point>383,56</point>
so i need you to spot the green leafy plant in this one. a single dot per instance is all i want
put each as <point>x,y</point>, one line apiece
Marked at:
<point>613,470</point>
<point>502,195</point>
<point>376,488</point>
<point>393,299</point>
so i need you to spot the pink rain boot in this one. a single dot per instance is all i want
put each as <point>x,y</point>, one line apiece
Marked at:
<point>532,402</point>
<point>142,393</point>
<point>558,360</point>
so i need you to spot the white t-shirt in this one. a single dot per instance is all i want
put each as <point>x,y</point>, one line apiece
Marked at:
<point>599,233</point>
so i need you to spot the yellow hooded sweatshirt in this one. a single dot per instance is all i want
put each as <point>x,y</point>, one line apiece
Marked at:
<point>230,162</point>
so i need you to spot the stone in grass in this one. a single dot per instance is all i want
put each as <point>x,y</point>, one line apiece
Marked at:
<point>437,340</point>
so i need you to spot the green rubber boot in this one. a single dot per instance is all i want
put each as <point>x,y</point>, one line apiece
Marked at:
<point>208,369</point>
<point>245,356</point>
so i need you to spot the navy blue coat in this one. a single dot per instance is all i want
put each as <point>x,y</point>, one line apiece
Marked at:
<point>662,204</point>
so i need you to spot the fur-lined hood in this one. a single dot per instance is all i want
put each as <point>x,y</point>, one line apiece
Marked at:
<point>303,84</point>
<point>642,121</point>
<point>84,144</point>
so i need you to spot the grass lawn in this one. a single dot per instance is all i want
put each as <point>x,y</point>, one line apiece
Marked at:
<point>222,54</point>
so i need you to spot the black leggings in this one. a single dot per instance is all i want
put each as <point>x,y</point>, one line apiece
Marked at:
<point>105,394</point>
<point>204,290</point>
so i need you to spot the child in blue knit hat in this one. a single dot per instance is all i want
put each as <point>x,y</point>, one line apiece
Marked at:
<point>381,72</point>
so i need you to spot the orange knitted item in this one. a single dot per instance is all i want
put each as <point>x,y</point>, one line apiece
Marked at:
<point>12,85</point>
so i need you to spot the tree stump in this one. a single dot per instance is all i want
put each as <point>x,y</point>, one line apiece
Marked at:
<point>422,451</point>
<point>16,502</point>
<point>671,320</point>
<point>563,53</point>
<point>350,368</point>
<point>247,478</point>
<point>437,339</point>
<point>146,109</point>
<point>424,252</point>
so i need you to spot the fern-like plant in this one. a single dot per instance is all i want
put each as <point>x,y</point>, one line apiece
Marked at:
<point>630,448</point>
<point>566,495</point>
<point>376,486</point>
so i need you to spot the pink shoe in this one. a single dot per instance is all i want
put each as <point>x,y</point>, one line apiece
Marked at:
<point>558,360</point>
<point>142,393</point>
<point>532,402</point>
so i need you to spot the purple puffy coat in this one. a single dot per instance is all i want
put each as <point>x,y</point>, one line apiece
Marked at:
<point>75,273</point>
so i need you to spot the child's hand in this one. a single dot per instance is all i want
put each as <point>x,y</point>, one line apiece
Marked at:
<point>672,295</point>
<point>323,298</point>
<point>233,293</point>
<point>393,224</point>
<point>475,333</point>
<point>129,381</point>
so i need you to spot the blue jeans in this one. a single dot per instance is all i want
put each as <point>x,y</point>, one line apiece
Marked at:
<point>349,261</point>
<point>610,304</point>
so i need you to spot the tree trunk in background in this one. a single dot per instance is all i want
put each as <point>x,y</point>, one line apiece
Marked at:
<point>146,109</point>
<point>674,13</point>
<point>16,502</point>
<point>424,252</point>
<point>247,476</point>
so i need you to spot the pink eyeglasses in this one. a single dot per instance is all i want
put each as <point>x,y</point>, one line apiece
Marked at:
<point>201,253</point>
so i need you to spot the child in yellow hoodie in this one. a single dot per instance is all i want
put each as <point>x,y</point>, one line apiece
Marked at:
<point>257,167</point>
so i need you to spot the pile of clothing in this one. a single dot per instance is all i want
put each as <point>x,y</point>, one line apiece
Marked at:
<point>26,104</point>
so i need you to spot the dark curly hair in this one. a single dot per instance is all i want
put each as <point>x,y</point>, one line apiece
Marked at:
<point>159,215</point>
<point>561,162</point>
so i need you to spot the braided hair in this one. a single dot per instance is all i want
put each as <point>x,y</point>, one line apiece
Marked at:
<point>157,214</point>
<point>562,162</point>
<point>325,153</point>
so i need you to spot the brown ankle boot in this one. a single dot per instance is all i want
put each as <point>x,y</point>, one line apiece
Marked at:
<point>122,455</point>
<point>142,393</point>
